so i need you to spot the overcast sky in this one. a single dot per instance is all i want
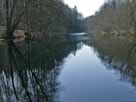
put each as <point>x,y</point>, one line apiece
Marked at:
<point>86,7</point>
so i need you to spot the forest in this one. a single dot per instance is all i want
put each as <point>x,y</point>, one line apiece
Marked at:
<point>40,18</point>
<point>115,17</point>
<point>51,51</point>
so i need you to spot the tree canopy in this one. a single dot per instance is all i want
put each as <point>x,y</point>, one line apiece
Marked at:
<point>44,16</point>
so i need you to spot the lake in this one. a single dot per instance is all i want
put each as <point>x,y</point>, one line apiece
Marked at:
<point>75,68</point>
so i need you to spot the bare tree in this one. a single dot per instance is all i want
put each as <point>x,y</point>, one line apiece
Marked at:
<point>12,17</point>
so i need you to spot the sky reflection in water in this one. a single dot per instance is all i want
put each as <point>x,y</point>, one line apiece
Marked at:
<point>86,79</point>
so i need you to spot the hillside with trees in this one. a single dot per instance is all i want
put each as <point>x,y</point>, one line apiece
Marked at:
<point>39,17</point>
<point>115,17</point>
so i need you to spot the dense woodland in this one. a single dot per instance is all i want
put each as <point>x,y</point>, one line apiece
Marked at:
<point>39,17</point>
<point>30,69</point>
<point>117,17</point>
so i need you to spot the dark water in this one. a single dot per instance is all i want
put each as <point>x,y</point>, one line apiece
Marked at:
<point>68,69</point>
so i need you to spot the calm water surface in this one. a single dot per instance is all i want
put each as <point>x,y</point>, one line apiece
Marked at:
<point>72,69</point>
<point>86,79</point>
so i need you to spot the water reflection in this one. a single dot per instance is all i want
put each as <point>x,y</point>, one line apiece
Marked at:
<point>29,70</point>
<point>118,54</point>
<point>85,76</point>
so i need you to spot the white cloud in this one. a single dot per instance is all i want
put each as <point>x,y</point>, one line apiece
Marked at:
<point>86,7</point>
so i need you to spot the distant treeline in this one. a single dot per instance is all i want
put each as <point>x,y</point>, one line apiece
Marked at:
<point>115,16</point>
<point>44,16</point>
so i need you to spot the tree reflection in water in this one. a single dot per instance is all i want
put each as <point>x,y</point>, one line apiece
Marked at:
<point>29,70</point>
<point>118,54</point>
